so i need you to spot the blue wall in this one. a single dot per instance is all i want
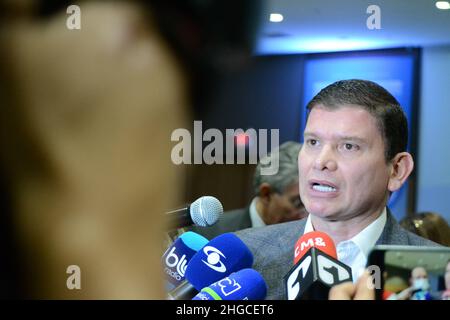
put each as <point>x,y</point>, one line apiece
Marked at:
<point>433,188</point>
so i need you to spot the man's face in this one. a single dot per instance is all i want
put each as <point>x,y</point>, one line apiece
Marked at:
<point>286,206</point>
<point>342,164</point>
<point>419,273</point>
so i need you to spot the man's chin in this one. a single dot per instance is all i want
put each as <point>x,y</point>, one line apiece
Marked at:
<point>324,213</point>
<point>327,217</point>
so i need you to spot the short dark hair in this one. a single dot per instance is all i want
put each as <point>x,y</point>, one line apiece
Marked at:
<point>373,98</point>
<point>287,154</point>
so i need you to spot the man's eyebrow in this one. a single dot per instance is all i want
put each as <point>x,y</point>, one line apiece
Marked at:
<point>309,134</point>
<point>353,138</point>
<point>345,138</point>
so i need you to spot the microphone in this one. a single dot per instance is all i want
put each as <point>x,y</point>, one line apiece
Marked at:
<point>246,284</point>
<point>316,268</point>
<point>178,255</point>
<point>314,239</point>
<point>219,258</point>
<point>203,212</point>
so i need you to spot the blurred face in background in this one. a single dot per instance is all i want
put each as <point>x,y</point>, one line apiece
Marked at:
<point>419,278</point>
<point>285,206</point>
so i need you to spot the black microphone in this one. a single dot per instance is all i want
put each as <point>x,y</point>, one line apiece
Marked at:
<point>203,212</point>
<point>316,268</point>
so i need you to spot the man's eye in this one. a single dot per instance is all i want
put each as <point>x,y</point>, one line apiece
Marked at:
<point>312,142</point>
<point>350,147</point>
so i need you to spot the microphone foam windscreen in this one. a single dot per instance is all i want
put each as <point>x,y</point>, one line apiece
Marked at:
<point>245,284</point>
<point>178,255</point>
<point>194,240</point>
<point>219,258</point>
<point>206,211</point>
<point>317,239</point>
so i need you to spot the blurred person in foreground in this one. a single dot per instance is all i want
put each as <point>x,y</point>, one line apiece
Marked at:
<point>428,225</point>
<point>86,119</point>
<point>276,198</point>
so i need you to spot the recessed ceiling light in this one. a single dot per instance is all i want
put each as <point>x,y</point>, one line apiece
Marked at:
<point>277,17</point>
<point>443,5</point>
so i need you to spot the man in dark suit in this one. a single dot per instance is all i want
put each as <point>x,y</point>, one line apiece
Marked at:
<point>276,198</point>
<point>354,156</point>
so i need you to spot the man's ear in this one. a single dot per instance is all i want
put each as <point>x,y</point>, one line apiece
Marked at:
<point>401,167</point>
<point>265,192</point>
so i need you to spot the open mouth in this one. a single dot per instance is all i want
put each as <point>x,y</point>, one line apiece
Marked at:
<point>323,187</point>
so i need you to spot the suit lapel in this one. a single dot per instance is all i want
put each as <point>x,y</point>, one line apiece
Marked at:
<point>245,222</point>
<point>392,232</point>
<point>285,256</point>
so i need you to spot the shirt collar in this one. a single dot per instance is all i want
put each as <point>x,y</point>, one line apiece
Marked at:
<point>365,239</point>
<point>308,226</point>
<point>256,219</point>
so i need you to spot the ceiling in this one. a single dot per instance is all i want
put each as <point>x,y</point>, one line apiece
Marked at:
<point>341,25</point>
<point>432,261</point>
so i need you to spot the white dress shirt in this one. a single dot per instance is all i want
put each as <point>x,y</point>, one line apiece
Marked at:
<point>256,219</point>
<point>354,252</point>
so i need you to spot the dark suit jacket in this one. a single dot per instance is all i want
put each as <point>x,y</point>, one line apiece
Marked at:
<point>273,248</point>
<point>229,221</point>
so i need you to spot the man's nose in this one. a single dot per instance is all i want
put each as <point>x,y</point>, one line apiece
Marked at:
<point>325,159</point>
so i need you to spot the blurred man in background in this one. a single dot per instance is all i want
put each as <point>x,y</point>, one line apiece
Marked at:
<point>419,287</point>
<point>276,198</point>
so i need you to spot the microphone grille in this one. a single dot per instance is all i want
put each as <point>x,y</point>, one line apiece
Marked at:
<point>206,211</point>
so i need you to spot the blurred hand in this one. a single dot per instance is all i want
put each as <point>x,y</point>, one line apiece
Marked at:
<point>350,291</point>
